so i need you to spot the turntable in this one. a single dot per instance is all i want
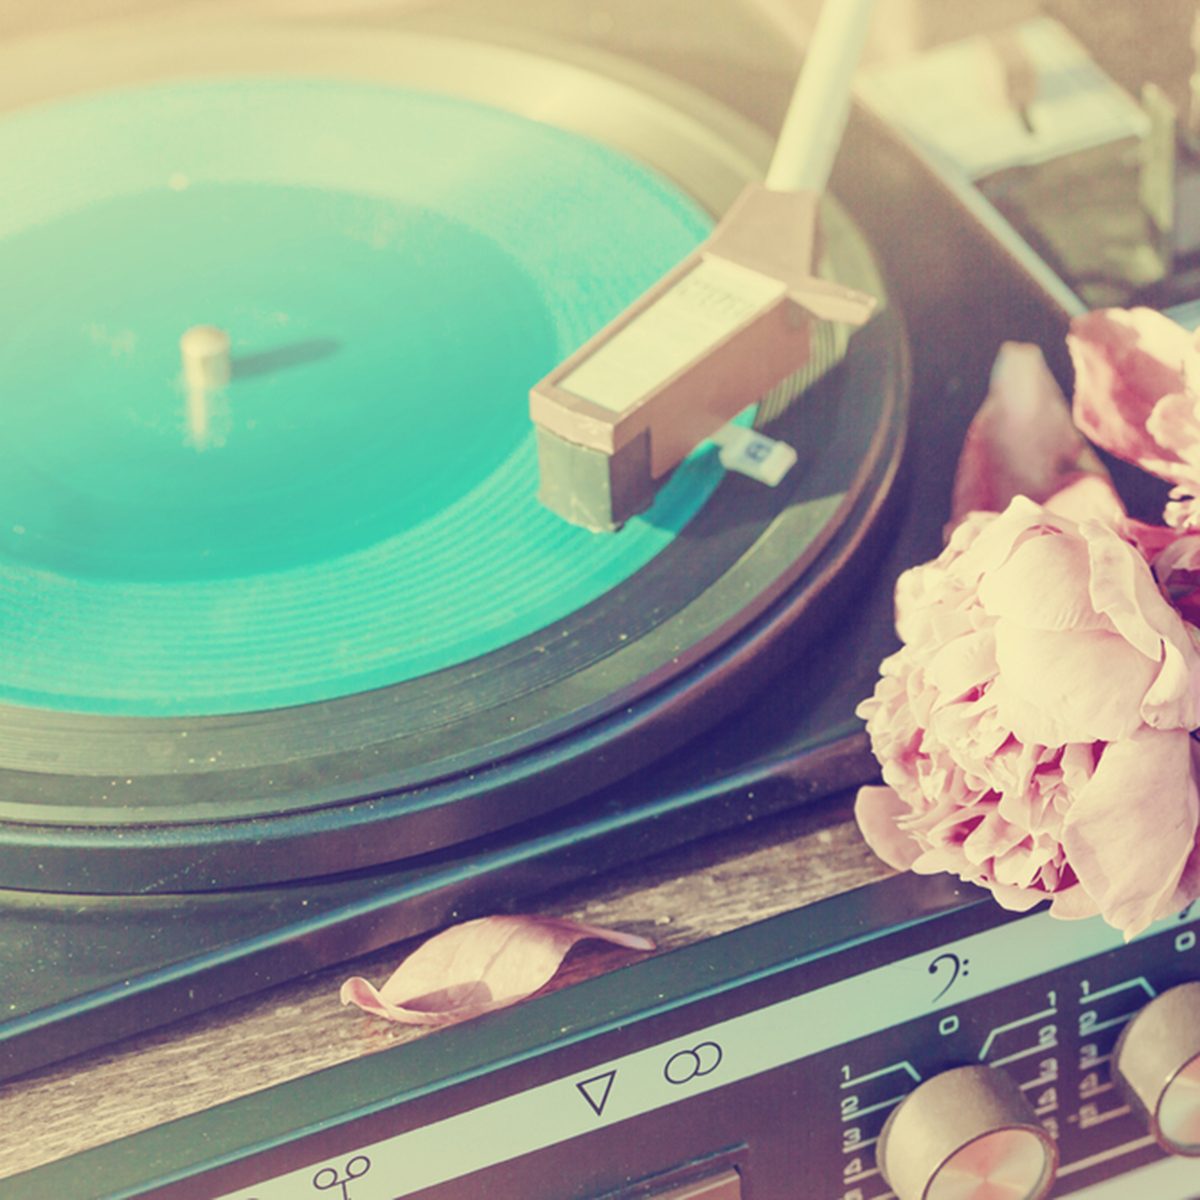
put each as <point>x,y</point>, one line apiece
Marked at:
<point>306,670</point>
<point>325,628</point>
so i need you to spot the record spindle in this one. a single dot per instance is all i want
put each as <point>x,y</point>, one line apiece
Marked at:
<point>206,369</point>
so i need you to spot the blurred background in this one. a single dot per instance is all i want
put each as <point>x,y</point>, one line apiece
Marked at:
<point>1135,41</point>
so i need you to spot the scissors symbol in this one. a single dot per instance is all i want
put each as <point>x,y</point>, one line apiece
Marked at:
<point>327,1177</point>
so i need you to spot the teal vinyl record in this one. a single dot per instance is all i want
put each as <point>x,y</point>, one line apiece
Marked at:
<point>357,508</point>
<point>318,609</point>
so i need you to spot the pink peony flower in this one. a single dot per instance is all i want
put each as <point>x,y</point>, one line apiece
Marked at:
<point>1137,394</point>
<point>1033,729</point>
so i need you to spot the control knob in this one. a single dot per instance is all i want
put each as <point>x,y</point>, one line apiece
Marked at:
<point>967,1134</point>
<point>1157,1061</point>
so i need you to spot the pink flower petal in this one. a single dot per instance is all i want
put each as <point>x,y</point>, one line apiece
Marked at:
<point>878,811</point>
<point>1173,423</point>
<point>1152,540</point>
<point>1022,443</point>
<point>963,664</point>
<point>1043,585</point>
<point>1132,830</point>
<point>476,967</point>
<point>1073,904</point>
<point>1088,498</point>
<point>1078,765</point>
<point>1126,361</point>
<point>1175,560</point>
<point>1055,688</point>
<point>1019,867</point>
<point>1124,590</point>
<point>993,541</point>
<point>1121,587</point>
<point>1188,889</point>
<point>1015,899</point>
<point>991,839</point>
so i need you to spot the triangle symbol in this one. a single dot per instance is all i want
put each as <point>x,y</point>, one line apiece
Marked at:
<point>595,1090</point>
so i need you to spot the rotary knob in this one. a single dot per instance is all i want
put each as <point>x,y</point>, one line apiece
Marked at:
<point>1157,1060</point>
<point>967,1134</point>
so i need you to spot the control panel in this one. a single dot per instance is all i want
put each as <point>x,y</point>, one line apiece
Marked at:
<point>906,1041</point>
<point>1044,1085</point>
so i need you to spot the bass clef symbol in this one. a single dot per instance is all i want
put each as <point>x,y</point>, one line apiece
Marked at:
<point>957,966</point>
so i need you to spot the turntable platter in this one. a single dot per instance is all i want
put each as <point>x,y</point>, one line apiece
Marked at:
<point>323,622</point>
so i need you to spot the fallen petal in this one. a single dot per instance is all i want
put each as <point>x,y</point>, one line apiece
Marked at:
<point>477,967</point>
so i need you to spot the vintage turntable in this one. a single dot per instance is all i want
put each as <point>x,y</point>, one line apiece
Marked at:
<point>316,673</point>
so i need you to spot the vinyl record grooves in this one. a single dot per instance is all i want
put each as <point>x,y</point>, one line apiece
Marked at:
<point>357,639</point>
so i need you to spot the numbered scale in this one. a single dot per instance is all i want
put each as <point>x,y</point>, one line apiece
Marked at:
<point>1036,1056</point>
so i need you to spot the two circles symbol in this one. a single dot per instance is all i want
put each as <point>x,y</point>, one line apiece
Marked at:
<point>694,1063</point>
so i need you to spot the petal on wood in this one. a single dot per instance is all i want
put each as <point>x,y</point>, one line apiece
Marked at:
<point>1022,443</point>
<point>476,967</point>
